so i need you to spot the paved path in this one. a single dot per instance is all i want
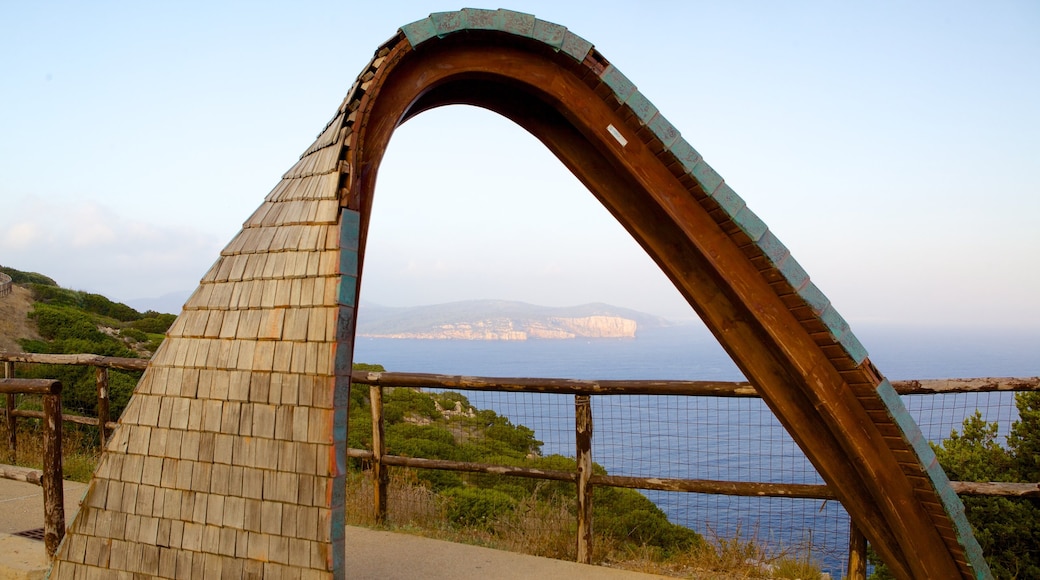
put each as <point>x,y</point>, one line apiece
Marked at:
<point>370,553</point>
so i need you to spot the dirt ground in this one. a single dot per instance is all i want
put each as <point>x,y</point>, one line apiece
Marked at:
<point>13,322</point>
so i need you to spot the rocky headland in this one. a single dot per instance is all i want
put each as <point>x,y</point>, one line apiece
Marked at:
<point>501,320</point>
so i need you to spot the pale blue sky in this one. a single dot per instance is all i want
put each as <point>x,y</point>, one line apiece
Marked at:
<point>892,147</point>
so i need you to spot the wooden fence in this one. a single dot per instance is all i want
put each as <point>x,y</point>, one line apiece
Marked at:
<point>101,365</point>
<point>583,391</point>
<point>52,482</point>
<point>5,284</point>
<point>585,479</point>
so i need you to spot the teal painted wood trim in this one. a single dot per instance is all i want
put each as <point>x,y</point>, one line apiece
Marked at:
<point>664,130</point>
<point>750,224</point>
<point>728,199</point>
<point>445,23</point>
<point>419,31</point>
<point>853,347</point>
<point>441,24</point>
<point>549,33</point>
<point>618,82</point>
<point>575,46</point>
<point>814,298</point>
<point>706,177</point>
<point>952,503</point>
<point>772,247</point>
<point>343,362</point>
<point>480,19</point>
<point>793,272</point>
<point>518,23</point>
<point>834,322</point>
<point>349,230</point>
<point>641,107</point>
<point>685,154</point>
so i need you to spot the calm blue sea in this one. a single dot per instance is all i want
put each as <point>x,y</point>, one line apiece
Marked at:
<point>715,438</point>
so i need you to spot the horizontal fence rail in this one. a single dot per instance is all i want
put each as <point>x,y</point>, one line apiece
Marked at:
<point>101,365</point>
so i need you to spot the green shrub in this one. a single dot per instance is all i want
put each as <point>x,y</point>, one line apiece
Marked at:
<point>474,507</point>
<point>133,334</point>
<point>154,323</point>
<point>19,277</point>
<point>1008,530</point>
<point>628,516</point>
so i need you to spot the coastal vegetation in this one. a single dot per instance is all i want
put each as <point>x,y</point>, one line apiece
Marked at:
<point>75,322</point>
<point>1008,530</point>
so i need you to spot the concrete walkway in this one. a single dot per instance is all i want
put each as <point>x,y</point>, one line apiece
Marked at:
<point>370,553</point>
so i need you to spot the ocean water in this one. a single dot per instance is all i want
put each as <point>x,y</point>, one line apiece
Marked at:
<point>711,437</point>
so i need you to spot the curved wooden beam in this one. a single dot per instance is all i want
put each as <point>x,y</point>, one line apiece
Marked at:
<point>775,324</point>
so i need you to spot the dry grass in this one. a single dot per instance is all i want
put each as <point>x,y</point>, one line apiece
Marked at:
<point>80,452</point>
<point>548,529</point>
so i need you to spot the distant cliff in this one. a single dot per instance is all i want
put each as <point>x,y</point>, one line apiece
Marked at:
<point>501,320</point>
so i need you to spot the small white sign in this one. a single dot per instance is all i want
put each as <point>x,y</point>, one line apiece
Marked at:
<point>617,135</point>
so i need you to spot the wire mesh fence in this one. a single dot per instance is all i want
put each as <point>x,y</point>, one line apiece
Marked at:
<point>659,436</point>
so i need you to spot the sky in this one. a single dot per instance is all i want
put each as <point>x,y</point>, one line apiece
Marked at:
<point>893,148</point>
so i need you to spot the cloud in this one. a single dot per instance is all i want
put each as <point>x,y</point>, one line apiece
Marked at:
<point>19,236</point>
<point>89,246</point>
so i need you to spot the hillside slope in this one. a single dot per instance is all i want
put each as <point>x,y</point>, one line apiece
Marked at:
<point>14,324</point>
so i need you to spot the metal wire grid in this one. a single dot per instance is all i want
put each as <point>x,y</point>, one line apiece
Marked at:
<point>735,439</point>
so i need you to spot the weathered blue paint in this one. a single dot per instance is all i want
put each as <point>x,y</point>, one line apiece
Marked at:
<point>814,298</point>
<point>750,224</point>
<point>706,177</point>
<point>419,31</point>
<point>575,46</point>
<point>480,19</point>
<point>834,322</point>
<point>853,347</point>
<point>772,247</point>
<point>664,130</point>
<point>518,23</point>
<point>685,154</point>
<point>793,272</point>
<point>618,82</point>
<point>446,23</point>
<point>549,33</point>
<point>641,107</point>
<point>728,199</point>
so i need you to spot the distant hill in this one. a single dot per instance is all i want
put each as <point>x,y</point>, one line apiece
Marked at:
<point>502,320</point>
<point>40,316</point>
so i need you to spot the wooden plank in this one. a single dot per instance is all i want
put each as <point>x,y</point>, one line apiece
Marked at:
<point>380,474</point>
<point>583,450</point>
<point>53,480</point>
<point>557,386</point>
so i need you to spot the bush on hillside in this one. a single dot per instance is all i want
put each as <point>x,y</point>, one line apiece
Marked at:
<point>1008,530</point>
<point>19,277</point>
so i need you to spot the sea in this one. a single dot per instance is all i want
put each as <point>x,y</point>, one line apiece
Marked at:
<point>734,439</point>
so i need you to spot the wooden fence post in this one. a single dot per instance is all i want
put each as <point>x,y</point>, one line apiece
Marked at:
<point>857,553</point>
<point>101,378</point>
<point>53,486</point>
<point>12,422</point>
<point>583,440</point>
<point>380,475</point>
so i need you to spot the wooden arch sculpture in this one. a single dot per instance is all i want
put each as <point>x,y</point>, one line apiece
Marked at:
<point>230,456</point>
